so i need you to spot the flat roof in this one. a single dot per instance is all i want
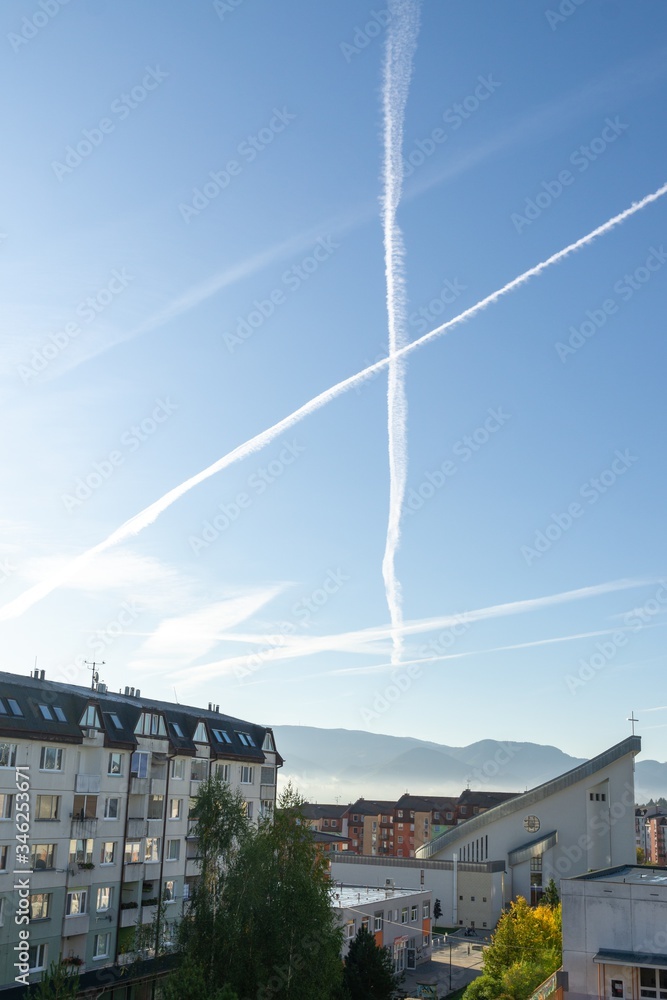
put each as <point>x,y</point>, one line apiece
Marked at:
<point>635,874</point>
<point>349,896</point>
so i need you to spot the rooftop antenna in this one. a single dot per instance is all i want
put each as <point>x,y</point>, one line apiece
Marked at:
<point>632,719</point>
<point>94,674</point>
<point>176,697</point>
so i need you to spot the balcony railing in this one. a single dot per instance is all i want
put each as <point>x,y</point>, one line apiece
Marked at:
<point>87,784</point>
<point>82,829</point>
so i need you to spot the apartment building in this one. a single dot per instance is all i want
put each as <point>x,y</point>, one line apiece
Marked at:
<point>95,794</point>
<point>656,839</point>
<point>399,919</point>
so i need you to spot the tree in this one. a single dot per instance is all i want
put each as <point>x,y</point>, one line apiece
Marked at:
<point>59,982</point>
<point>525,950</point>
<point>550,896</point>
<point>641,856</point>
<point>437,910</point>
<point>368,973</point>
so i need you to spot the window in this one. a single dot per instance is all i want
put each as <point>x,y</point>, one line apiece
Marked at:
<point>178,768</point>
<point>267,807</point>
<point>85,807</point>
<point>173,850</point>
<point>378,918</point>
<point>247,779</point>
<point>51,759</point>
<point>101,945</point>
<point>104,895</point>
<point>222,770</point>
<point>139,764</point>
<point>155,806</point>
<point>221,735</point>
<point>39,905</point>
<point>404,915</point>
<point>115,766</point>
<point>198,770</point>
<point>80,852</point>
<point>169,894</point>
<point>400,840</point>
<point>108,853</point>
<point>175,807</point>
<point>365,922</point>
<point>90,718</point>
<point>7,754</point>
<point>248,809</point>
<point>267,775</point>
<point>76,902</point>
<point>47,807</point>
<point>37,957</point>
<point>426,911</point>
<point>414,910</point>
<point>150,724</point>
<point>152,852</point>
<point>177,729</point>
<point>200,733</point>
<point>115,720</point>
<point>4,854</point>
<point>3,710</point>
<point>426,940</point>
<point>46,713</point>
<point>268,743</point>
<point>246,739</point>
<point>59,714</point>
<point>349,929</point>
<point>326,821</point>
<point>111,808</point>
<point>132,852</point>
<point>15,708</point>
<point>334,823</point>
<point>653,983</point>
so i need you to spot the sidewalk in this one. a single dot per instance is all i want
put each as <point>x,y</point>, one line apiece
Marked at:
<point>466,966</point>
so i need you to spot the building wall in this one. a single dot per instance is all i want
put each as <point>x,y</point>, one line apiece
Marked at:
<point>415,924</point>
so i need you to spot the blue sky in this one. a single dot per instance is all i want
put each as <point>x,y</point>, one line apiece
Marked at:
<point>192,249</point>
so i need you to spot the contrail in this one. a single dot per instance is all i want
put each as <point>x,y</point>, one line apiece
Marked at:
<point>400,48</point>
<point>149,514</point>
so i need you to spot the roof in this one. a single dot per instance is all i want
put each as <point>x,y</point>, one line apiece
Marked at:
<point>349,896</point>
<point>484,800</point>
<point>631,958</point>
<point>316,810</point>
<point>634,874</point>
<point>630,745</point>
<point>427,803</point>
<point>371,807</point>
<point>324,837</point>
<point>118,715</point>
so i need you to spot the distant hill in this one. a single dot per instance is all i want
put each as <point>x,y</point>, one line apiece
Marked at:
<point>344,764</point>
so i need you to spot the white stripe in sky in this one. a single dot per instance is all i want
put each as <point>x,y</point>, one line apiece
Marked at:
<point>399,50</point>
<point>136,524</point>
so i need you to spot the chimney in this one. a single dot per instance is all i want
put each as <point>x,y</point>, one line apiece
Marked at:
<point>41,675</point>
<point>137,693</point>
<point>127,691</point>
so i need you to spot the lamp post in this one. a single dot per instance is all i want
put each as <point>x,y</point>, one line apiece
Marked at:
<point>450,964</point>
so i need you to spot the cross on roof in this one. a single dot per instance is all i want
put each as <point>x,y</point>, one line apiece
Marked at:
<point>631,718</point>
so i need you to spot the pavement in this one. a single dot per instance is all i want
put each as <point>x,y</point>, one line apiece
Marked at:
<point>466,965</point>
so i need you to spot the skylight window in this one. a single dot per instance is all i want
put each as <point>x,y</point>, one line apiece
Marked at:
<point>59,714</point>
<point>14,708</point>
<point>116,721</point>
<point>177,729</point>
<point>222,736</point>
<point>246,739</point>
<point>3,710</point>
<point>46,713</point>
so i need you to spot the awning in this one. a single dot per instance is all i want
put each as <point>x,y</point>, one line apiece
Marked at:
<point>533,848</point>
<point>636,958</point>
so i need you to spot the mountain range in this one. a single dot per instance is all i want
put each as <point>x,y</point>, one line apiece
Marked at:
<point>341,765</point>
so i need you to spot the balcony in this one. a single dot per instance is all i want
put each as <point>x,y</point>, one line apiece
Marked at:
<point>148,914</point>
<point>192,867</point>
<point>129,918</point>
<point>158,786</point>
<point>73,926</point>
<point>139,786</point>
<point>134,871</point>
<point>267,792</point>
<point>137,827</point>
<point>194,788</point>
<point>87,784</point>
<point>83,829</point>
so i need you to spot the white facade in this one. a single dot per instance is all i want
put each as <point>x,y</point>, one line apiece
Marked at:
<point>399,919</point>
<point>615,934</point>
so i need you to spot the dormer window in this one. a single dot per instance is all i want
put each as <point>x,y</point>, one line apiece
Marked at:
<point>150,724</point>
<point>268,743</point>
<point>200,733</point>
<point>90,719</point>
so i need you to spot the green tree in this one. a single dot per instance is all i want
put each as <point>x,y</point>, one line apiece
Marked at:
<point>368,973</point>
<point>550,896</point>
<point>59,982</point>
<point>641,856</point>
<point>437,910</point>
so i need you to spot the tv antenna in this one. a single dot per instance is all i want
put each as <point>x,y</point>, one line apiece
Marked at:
<point>94,673</point>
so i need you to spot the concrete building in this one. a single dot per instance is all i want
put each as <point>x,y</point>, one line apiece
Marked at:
<point>581,820</point>
<point>95,795</point>
<point>656,839</point>
<point>615,933</point>
<point>400,920</point>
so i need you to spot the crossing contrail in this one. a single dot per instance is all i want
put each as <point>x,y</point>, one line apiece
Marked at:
<point>145,517</point>
<point>400,48</point>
